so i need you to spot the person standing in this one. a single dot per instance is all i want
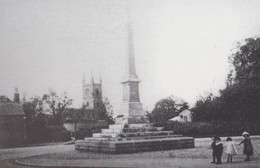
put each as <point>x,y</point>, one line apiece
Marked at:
<point>218,150</point>
<point>231,149</point>
<point>248,147</point>
<point>213,146</point>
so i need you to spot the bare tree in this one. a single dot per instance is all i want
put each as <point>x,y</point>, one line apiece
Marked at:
<point>57,105</point>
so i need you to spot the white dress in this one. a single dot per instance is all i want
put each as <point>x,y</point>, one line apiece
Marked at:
<point>231,148</point>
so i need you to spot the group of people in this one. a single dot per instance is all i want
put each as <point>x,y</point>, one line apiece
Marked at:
<point>231,149</point>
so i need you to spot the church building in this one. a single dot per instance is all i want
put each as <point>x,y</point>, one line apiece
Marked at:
<point>92,94</point>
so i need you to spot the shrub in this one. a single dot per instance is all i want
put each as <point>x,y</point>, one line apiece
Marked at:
<point>58,134</point>
<point>220,128</point>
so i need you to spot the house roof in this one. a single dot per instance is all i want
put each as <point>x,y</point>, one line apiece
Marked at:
<point>175,118</point>
<point>10,108</point>
<point>185,112</point>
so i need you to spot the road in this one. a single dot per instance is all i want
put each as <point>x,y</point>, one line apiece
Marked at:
<point>7,155</point>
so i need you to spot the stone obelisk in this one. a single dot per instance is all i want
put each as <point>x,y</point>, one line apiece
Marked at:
<point>132,131</point>
<point>131,107</point>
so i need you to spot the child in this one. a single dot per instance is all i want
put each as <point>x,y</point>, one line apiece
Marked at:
<point>218,149</point>
<point>213,145</point>
<point>231,149</point>
<point>248,147</point>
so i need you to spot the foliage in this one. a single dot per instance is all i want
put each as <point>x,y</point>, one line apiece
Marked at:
<point>246,63</point>
<point>40,126</point>
<point>56,134</point>
<point>239,100</point>
<point>166,109</point>
<point>219,128</point>
<point>57,105</point>
<point>108,111</point>
<point>4,99</point>
<point>35,120</point>
<point>210,108</point>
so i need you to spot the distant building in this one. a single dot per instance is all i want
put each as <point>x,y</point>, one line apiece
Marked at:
<point>184,116</point>
<point>12,121</point>
<point>92,94</point>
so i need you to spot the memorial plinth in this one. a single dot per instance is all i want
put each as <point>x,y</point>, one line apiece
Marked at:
<point>133,138</point>
<point>133,146</point>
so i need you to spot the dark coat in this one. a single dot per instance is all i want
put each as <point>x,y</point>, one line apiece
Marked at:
<point>219,149</point>
<point>213,146</point>
<point>248,147</point>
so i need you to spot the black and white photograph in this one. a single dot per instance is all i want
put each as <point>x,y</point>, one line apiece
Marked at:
<point>130,83</point>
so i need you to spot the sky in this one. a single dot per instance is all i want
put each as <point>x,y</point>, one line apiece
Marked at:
<point>181,47</point>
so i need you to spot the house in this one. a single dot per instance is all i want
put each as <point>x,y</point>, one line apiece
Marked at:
<point>184,116</point>
<point>12,122</point>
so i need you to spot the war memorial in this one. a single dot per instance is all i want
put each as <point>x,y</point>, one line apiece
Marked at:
<point>132,131</point>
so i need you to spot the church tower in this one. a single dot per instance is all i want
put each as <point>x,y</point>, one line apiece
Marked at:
<point>92,94</point>
<point>16,96</point>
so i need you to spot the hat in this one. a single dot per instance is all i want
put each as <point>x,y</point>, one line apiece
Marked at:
<point>217,138</point>
<point>245,133</point>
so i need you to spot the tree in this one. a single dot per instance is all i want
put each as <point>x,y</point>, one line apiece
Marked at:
<point>109,111</point>
<point>57,105</point>
<point>33,107</point>
<point>245,88</point>
<point>35,119</point>
<point>209,108</point>
<point>166,109</point>
<point>105,111</point>
<point>240,99</point>
<point>246,63</point>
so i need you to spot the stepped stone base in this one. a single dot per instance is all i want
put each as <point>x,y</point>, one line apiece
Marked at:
<point>133,134</point>
<point>132,146</point>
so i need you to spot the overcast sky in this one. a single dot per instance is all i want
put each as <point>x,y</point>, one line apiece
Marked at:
<point>181,47</point>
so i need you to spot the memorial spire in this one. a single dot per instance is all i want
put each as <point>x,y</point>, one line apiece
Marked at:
<point>130,72</point>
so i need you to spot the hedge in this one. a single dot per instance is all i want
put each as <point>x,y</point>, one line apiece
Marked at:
<point>203,129</point>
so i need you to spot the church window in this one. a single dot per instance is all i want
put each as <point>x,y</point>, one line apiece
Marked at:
<point>97,92</point>
<point>97,104</point>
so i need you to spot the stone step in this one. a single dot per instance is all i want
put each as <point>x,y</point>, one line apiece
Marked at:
<point>111,130</point>
<point>138,125</point>
<point>105,130</point>
<point>100,139</point>
<point>144,129</point>
<point>100,135</point>
<point>150,137</point>
<point>143,134</point>
<point>132,146</point>
<point>132,134</point>
<point>116,126</point>
<point>129,138</point>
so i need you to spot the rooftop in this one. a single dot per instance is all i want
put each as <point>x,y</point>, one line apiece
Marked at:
<point>10,108</point>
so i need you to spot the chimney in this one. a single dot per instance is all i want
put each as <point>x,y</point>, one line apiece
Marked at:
<point>16,96</point>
